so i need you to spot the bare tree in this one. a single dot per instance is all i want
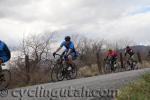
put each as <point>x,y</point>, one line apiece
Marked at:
<point>89,49</point>
<point>122,43</point>
<point>37,47</point>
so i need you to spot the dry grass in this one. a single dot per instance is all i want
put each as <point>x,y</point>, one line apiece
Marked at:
<point>87,71</point>
<point>138,90</point>
<point>19,78</point>
<point>145,64</point>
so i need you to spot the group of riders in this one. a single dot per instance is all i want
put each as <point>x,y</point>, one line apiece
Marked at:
<point>70,52</point>
<point>112,56</point>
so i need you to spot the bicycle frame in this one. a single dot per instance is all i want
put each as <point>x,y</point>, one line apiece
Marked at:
<point>61,58</point>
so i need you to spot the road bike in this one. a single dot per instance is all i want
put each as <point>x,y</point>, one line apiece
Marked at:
<point>62,69</point>
<point>131,64</point>
<point>111,66</point>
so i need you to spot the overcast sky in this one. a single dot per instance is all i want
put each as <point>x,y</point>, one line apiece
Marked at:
<point>108,19</point>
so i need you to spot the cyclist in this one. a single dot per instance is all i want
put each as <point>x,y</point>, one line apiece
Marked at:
<point>129,51</point>
<point>4,55</point>
<point>112,57</point>
<point>70,51</point>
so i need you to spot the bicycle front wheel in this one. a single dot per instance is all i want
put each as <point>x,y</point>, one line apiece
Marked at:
<point>107,68</point>
<point>5,79</point>
<point>54,73</point>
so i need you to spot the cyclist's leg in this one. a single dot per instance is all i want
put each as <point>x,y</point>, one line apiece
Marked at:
<point>133,59</point>
<point>129,60</point>
<point>115,60</point>
<point>74,55</point>
<point>70,58</point>
<point>62,55</point>
<point>111,63</point>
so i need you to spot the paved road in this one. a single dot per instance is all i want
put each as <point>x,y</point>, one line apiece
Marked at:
<point>93,88</point>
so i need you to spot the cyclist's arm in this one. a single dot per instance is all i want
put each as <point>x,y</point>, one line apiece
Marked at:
<point>4,58</point>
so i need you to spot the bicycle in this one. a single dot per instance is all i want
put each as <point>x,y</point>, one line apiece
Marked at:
<point>111,67</point>
<point>5,78</point>
<point>61,70</point>
<point>131,64</point>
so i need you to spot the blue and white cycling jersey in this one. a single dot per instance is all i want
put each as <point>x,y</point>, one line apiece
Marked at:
<point>4,52</point>
<point>74,53</point>
<point>69,46</point>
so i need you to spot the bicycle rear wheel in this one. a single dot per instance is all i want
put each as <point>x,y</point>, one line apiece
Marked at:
<point>5,79</point>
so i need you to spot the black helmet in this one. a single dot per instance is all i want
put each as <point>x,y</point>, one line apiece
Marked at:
<point>67,38</point>
<point>127,47</point>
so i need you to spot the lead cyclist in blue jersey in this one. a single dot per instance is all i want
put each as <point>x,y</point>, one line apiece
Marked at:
<point>71,53</point>
<point>4,55</point>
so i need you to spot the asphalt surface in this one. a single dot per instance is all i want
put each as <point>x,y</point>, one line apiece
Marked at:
<point>101,87</point>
